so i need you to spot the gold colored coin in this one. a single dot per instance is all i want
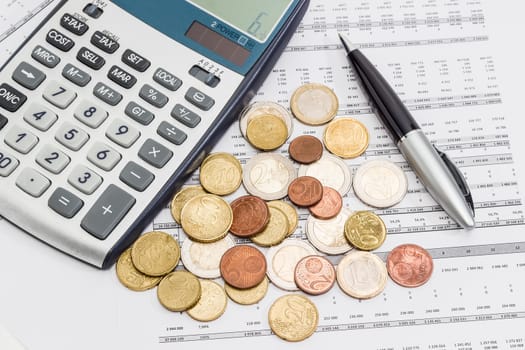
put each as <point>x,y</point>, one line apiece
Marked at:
<point>346,137</point>
<point>212,303</point>
<point>267,132</point>
<point>293,317</point>
<point>248,296</point>
<point>206,218</point>
<point>275,231</point>
<point>314,104</point>
<point>289,211</point>
<point>181,197</point>
<point>365,230</point>
<point>220,173</point>
<point>179,291</point>
<point>155,253</point>
<point>132,278</point>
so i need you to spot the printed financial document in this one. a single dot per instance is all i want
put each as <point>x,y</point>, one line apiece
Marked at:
<point>439,57</point>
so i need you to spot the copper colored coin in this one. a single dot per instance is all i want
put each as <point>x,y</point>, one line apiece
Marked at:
<point>250,216</point>
<point>314,274</point>
<point>305,149</point>
<point>409,265</point>
<point>329,206</point>
<point>305,191</point>
<point>243,266</point>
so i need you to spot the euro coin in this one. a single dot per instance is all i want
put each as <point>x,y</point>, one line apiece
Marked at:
<point>293,317</point>
<point>266,132</point>
<point>409,265</point>
<point>346,137</point>
<point>203,259</point>
<point>329,206</point>
<point>182,197</point>
<point>132,278</point>
<point>248,296</point>
<point>305,149</point>
<point>380,183</point>
<point>220,174</point>
<point>268,175</point>
<point>314,104</point>
<point>259,108</point>
<point>331,170</point>
<point>289,211</point>
<point>211,304</point>
<point>243,266</point>
<point>314,275</point>
<point>155,253</point>
<point>179,291</point>
<point>329,235</point>
<point>275,231</point>
<point>361,274</point>
<point>250,216</point>
<point>305,191</point>
<point>365,230</point>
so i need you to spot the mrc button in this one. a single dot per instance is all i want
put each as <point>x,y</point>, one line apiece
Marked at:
<point>10,98</point>
<point>135,61</point>
<point>46,57</point>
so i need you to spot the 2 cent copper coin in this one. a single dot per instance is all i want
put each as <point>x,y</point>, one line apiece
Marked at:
<point>243,266</point>
<point>329,206</point>
<point>305,191</point>
<point>409,265</point>
<point>250,216</point>
<point>314,275</point>
<point>305,149</point>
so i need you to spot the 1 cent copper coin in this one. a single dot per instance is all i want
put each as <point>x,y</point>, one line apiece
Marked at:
<point>329,206</point>
<point>250,216</point>
<point>305,149</point>
<point>409,265</point>
<point>314,275</point>
<point>305,191</point>
<point>243,266</point>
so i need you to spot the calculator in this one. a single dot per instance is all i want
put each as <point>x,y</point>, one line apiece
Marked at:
<point>109,106</point>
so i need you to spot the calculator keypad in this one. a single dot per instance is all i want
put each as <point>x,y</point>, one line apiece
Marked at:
<point>8,163</point>
<point>52,159</point>
<point>20,139</point>
<point>59,95</point>
<point>84,179</point>
<point>39,116</point>
<point>71,136</point>
<point>32,182</point>
<point>90,114</point>
<point>103,156</point>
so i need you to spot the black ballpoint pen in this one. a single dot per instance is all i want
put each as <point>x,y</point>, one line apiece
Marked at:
<point>435,170</point>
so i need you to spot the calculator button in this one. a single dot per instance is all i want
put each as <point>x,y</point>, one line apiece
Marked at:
<point>92,10</point>
<point>3,121</point>
<point>135,61</point>
<point>45,57</point>
<point>73,24</point>
<point>90,114</point>
<point>8,163</point>
<point>136,176</point>
<point>84,179</point>
<point>199,99</point>
<point>103,156</point>
<point>107,94</point>
<point>109,209</point>
<point>75,75</point>
<point>166,79</point>
<point>28,76</point>
<point>58,95</point>
<point>203,75</point>
<point>121,77</point>
<point>154,153</point>
<point>104,42</point>
<point>59,40</point>
<point>171,133</point>
<point>139,114</point>
<point>20,139</point>
<point>65,203</point>
<point>153,96</point>
<point>90,58</point>
<point>40,117</point>
<point>52,159</point>
<point>10,98</point>
<point>185,116</point>
<point>71,136</point>
<point>32,182</point>
<point>122,133</point>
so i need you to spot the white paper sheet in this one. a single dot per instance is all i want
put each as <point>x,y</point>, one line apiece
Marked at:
<point>451,62</point>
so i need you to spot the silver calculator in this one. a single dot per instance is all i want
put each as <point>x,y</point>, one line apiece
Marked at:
<point>109,106</point>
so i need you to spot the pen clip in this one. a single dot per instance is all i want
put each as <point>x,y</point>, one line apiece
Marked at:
<point>458,176</point>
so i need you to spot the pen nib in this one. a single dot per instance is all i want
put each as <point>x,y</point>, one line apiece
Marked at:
<point>349,47</point>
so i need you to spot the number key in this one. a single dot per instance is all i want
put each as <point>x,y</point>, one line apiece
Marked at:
<point>20,139</point>
<point>90,114</point>
<point>52,159</point>
<point>40,117</point>
<point>103,156</point>
<point>84,179</point>
<point>8,163</point>
<point>71,136</point>
<point>122,133</point>
<point>59,95</point>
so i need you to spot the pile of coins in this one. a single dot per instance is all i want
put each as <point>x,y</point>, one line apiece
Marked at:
<point>266,221</point>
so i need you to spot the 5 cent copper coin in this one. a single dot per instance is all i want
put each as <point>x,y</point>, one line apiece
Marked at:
<point>243,266</point>
<point>305,149</point>
<point>329,206</point>
<point>305,191</point>
<point>250,216</point>
<point>409,265</point>
<point>314,274</point>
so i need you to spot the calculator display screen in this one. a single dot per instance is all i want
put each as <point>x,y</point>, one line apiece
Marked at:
<point>255,18</point>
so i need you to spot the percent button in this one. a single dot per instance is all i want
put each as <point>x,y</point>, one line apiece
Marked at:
<point>153,96</point>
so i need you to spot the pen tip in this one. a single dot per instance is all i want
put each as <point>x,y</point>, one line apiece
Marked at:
<point>347,43</point>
